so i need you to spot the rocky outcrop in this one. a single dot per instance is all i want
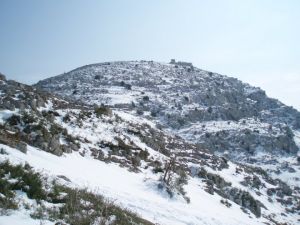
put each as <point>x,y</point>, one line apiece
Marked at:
<point>216,184</point>
<point>250,142</point>
<point>31,120</point>
<point>13,140</point>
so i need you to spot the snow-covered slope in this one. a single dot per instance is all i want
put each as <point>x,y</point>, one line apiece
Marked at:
<point>125,157</point>
<point>136,191</point>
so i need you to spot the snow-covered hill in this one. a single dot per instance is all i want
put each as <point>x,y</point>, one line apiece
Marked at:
<point>138,162</point>
<point>216,112</point>
<point>178,96</point>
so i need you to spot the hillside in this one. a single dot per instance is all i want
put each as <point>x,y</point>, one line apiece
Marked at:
<point>144,166</point>
<point>216,112</point>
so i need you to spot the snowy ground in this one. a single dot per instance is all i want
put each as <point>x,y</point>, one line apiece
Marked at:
<point>21,218</point>
<point>137,192</point>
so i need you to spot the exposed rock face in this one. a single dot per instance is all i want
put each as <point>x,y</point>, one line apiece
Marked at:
<point>15,98</point>
<point>30,119</point>
<point>246,136</point>
<point>190,102</point>
<point>12,140</point>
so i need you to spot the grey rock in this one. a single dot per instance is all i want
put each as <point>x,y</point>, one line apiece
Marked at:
<point>55,147</point>
<point>73,147</point>
<point>66,149</point>
<point>22,146</point>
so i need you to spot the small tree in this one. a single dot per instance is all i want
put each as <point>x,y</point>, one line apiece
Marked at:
<point>169,170</point>
<point>174,178</point>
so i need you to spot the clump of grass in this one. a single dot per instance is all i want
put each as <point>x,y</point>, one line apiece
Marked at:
<point>7,197</point>
<point>82,207</point>
<point>26,180</point>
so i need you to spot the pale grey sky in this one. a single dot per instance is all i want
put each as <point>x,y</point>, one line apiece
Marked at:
<point>256,41</point>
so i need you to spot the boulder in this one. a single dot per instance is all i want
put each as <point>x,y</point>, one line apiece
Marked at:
<point>22,146</point>
<point>66,149</point>
<point>55,147</point>
<point>73,147</point>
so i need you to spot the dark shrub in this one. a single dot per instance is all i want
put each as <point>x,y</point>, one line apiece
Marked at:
<point>27,118</point>
<point>140,112</point>
<point>14,120</point>
<point>103,110</point>
<point>146,98</point>
<point>67,118</point>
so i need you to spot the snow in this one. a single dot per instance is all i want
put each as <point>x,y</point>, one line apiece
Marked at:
<point>135,191</point>
<point>215,126</point>
<point>48,106</point>
<point>5,114</point>
<point>250,90</point>
<point>297,138</point>
<point>291,178</point>
<point>134,119</point>
<point>21,218</point>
